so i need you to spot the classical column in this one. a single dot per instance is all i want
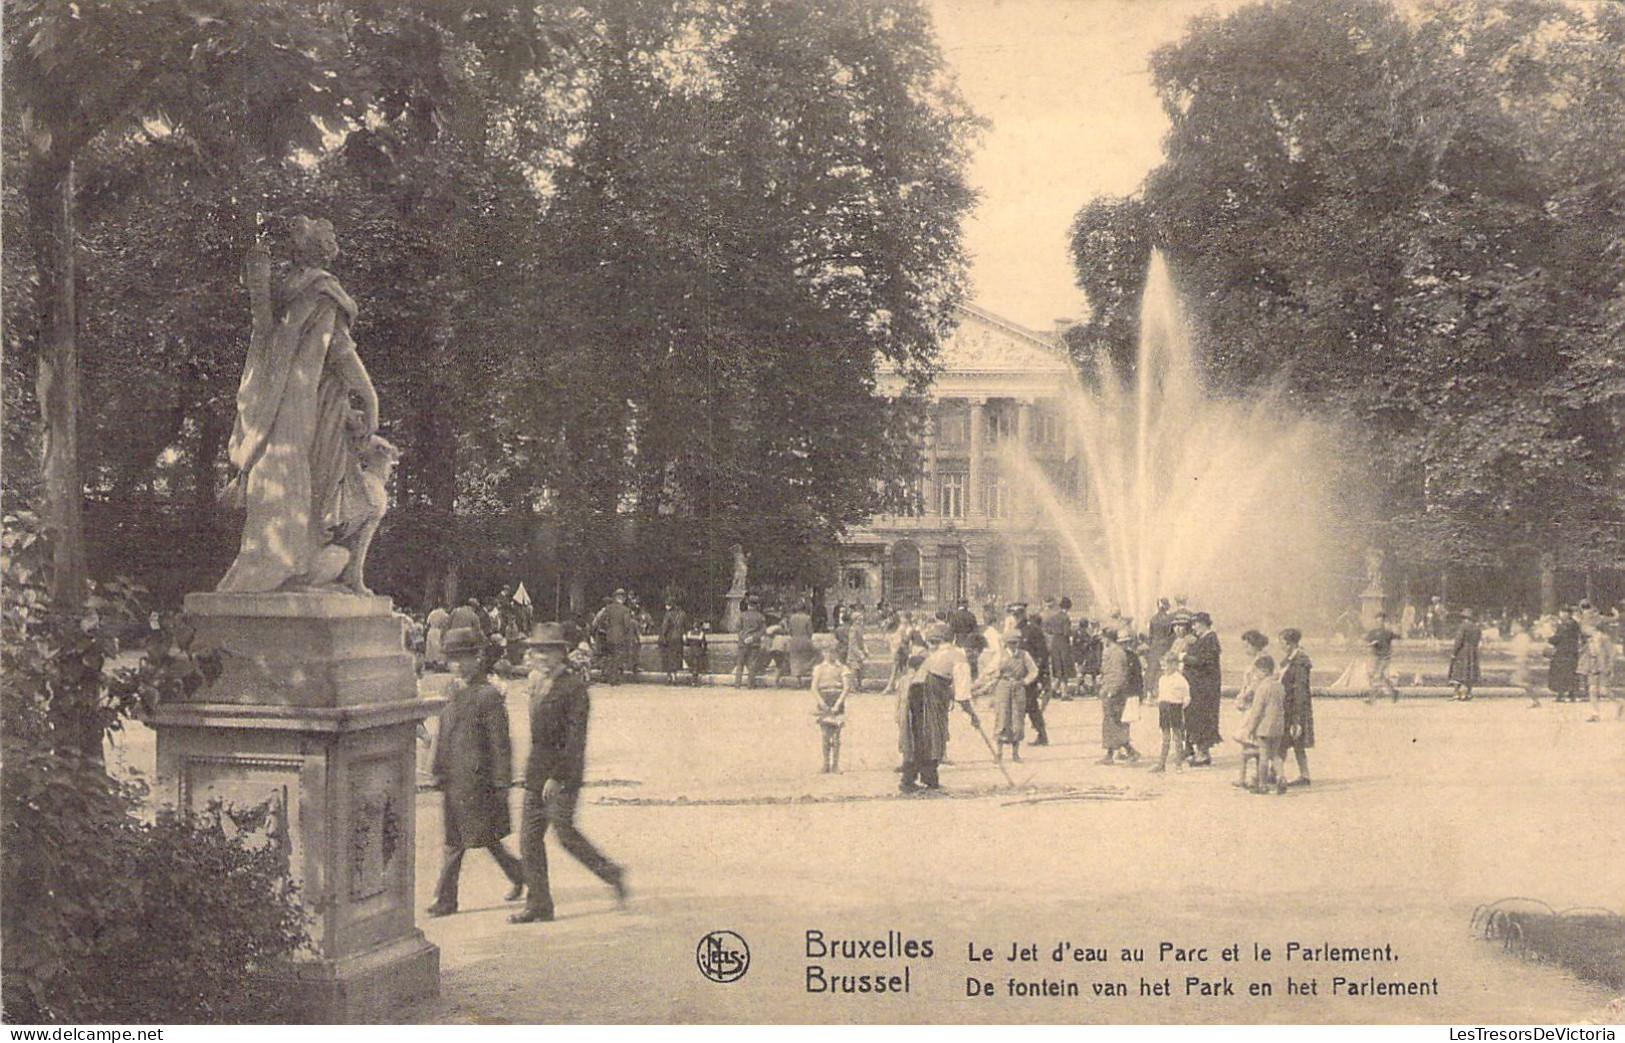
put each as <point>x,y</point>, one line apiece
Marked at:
<point>973,495</point>
<point>1024,425</point>
<point>931,487</point>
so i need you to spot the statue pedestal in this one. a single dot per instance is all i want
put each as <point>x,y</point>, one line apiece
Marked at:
<point>1371,603</point>
<point>730,617</point>
<point>317,712</point>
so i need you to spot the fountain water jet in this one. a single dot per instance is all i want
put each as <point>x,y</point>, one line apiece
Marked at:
<point>1221,499</point>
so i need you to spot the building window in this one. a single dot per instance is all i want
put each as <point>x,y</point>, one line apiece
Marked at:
<point>998,498</point>
<point>952,485</point>
<point>905,589</point>
<point>953,424</point>
<point>1000,422</point>
<point>1046,428</point>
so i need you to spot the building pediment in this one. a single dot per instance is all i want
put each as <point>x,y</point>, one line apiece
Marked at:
<point>985,343</point>
<point>991,355</point>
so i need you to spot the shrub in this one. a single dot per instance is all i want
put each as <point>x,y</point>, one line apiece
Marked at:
<point>109,918</point>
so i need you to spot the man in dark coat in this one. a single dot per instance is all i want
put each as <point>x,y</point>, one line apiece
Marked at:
<point>559,709</point>
<point>1160,632</point>
<point>620,634</point>
<point>967,635</point>
<point>1057,623</point>
<point>473,766</point>
<point>1201,668</point>
<point>1035,644</point>
<point>1562,678</point>
<point>1464,664</point>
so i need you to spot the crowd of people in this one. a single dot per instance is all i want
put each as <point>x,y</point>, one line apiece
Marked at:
<point>1579,643</point>
<point>1000,671</point>
<point>1006,666</point>
<point>1009,669</point>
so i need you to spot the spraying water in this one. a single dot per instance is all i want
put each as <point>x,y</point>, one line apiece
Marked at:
<point>1187,494</point>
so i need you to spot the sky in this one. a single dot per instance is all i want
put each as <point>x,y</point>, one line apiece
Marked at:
<point>1067,87</point>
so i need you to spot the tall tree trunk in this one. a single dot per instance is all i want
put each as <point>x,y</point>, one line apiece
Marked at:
<point>429,477</point>
<point>1548,584</point>
<point>50,192</point>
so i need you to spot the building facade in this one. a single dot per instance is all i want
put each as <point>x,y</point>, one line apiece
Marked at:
<point>1003,504</point>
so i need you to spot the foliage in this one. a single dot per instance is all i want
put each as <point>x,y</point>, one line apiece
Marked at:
<point>1115,237</point>
<point>112,919</point>
<point>713,304</point>
<point>572,231</point>
<point>1413,225</point>
<point>108,917</point>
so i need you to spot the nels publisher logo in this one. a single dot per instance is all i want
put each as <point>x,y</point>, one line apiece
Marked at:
<point>722,956</point>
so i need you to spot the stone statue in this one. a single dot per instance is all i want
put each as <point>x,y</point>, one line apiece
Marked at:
<point>741,570</point>
<point>309,468</point>
<point>1373,570</point>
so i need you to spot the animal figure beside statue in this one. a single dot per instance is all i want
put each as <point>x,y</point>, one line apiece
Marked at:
<point>363,504</point>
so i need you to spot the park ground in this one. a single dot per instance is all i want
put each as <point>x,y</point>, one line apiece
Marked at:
<point>1419,812</point>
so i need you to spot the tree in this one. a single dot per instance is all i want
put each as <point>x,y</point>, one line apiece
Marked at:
<point>82,72</point>
<point>714,303</point>
<point>1385,220</point>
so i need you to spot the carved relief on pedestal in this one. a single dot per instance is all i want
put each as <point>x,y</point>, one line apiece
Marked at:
<point>376,830</point>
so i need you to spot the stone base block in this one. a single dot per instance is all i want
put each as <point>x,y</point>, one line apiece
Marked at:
<point>372,986</point>
<point>302,649</point>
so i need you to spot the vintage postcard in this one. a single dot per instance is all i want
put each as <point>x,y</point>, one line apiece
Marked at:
<point>825,511</point>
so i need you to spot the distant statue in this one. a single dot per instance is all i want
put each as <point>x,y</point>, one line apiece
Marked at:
<point>1373,570</point>
<point>741,570</point>
<point>309,466</point>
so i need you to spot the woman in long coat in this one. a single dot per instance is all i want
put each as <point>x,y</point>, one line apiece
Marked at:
<point>1201,668</point>
<point>1464,666</point>
<point>673,625</point>
<point>1300,707</point>
<point>473,765</point>
<point>1563,676</point>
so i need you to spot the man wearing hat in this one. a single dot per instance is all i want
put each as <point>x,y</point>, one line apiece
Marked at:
<point>473,766</point>
<point>1201,668</point>
<point>1464,662</point>
<point>620,631</point>
<point>1121,679</point>
<point>559,709</point>
<point>752,633</point>
<point>1035,644</point>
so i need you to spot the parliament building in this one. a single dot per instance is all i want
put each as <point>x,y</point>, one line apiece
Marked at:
<point>984,533</point>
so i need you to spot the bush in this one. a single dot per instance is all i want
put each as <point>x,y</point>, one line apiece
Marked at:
<point>109,918</point>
